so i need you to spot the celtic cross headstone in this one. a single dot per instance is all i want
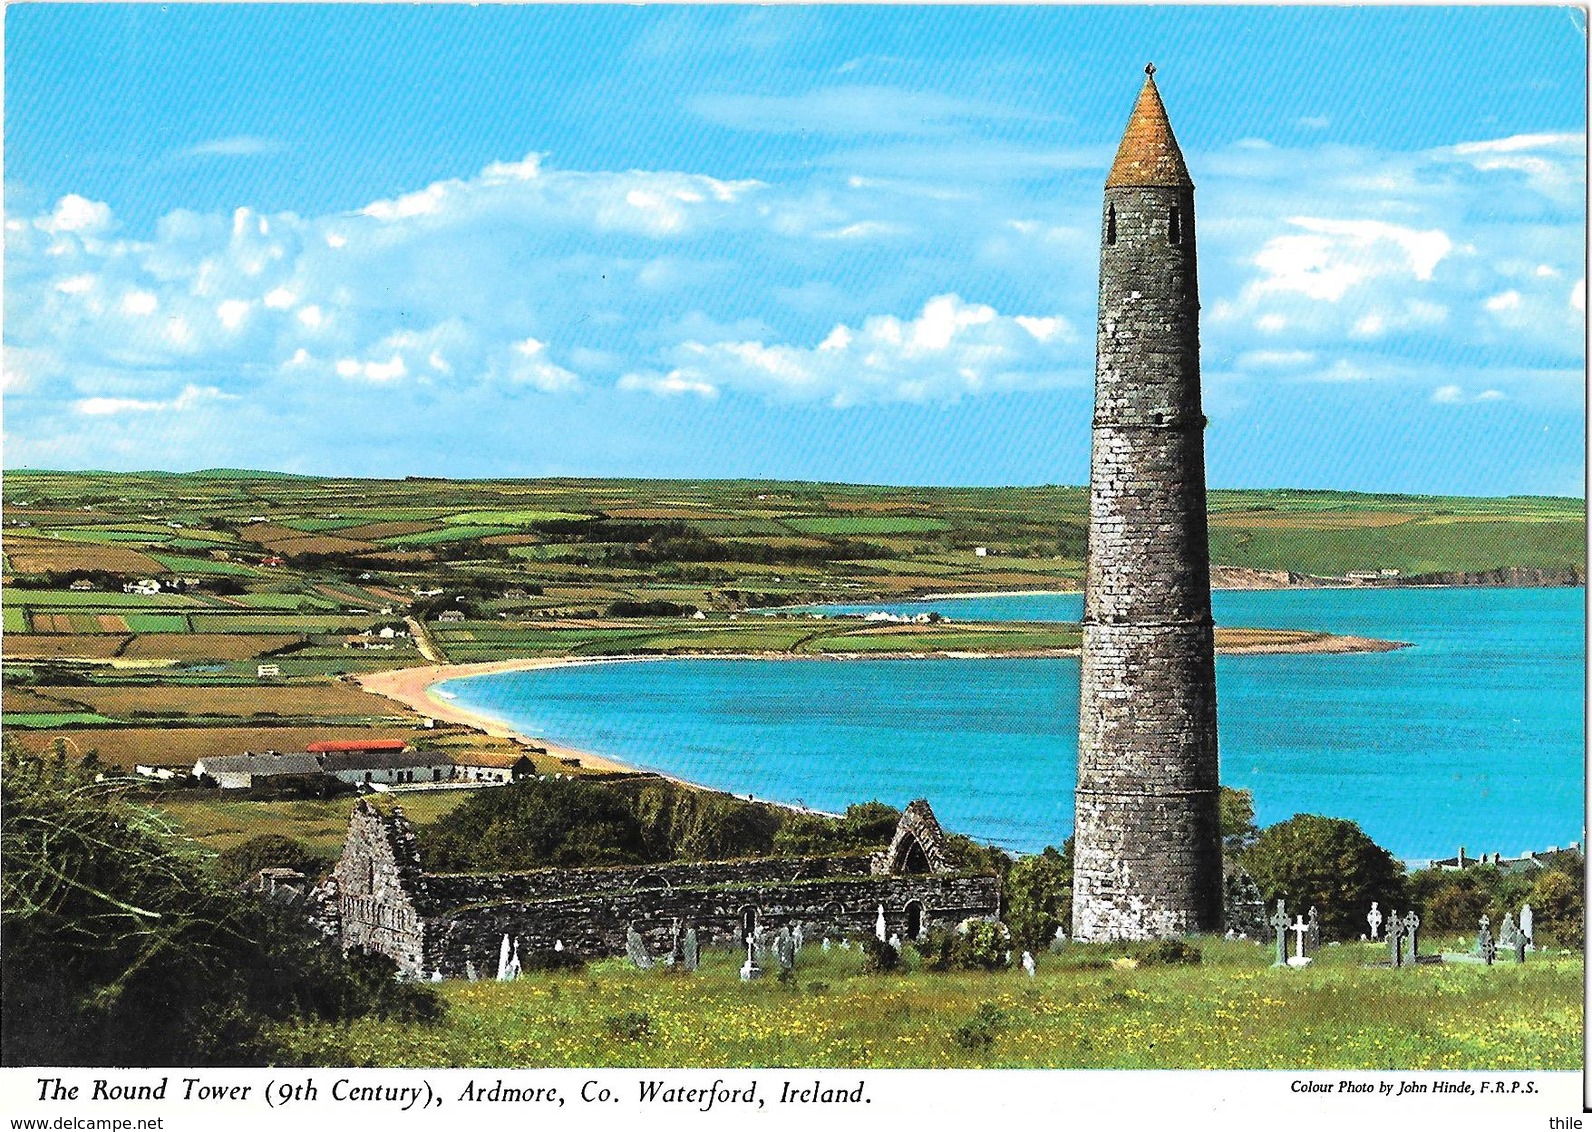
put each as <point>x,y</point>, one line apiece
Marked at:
<point>1395,938</point>
<point>1485,943</point>
<point>1374,918</point>
<point>1279,921</point>
<point>1412,948</point>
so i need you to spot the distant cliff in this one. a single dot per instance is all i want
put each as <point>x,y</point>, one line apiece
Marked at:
<point>1245,578</point>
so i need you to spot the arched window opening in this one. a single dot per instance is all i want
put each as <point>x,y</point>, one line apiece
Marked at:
<point>1174,226</point>
<point>1111,223</point>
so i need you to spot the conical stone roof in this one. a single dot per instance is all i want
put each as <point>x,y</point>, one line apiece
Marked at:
<point>1148,155</point>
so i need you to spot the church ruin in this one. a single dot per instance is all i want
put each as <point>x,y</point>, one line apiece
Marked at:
<point>452,924</point>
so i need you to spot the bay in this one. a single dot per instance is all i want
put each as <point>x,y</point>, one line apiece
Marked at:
<point>1472,736</point>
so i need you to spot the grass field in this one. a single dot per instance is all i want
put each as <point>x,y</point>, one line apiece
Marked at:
<point>218,823</point>
<point>125,747</point>
<point>319,699</point>
<point>1233,1012</point>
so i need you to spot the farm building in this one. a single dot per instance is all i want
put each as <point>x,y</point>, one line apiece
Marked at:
<point>486,767</point>
<point>364,762</point>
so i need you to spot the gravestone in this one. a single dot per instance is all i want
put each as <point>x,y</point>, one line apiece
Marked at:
<point>1507,933</point>
<point>1374,918</point>
<point>879,926</point>
<point>1485,944</point>
<point>895,940</point>
<point>1279,920</point>
<point>845,945</point>
<point>469,970</point>
<point>636,948</point>
<point>825,944</point>
<point>1315,930</point>
<point>796,937</point>
<point>1395,938</point>
<point>1229,935</point>
<point>514,961</point>
<point>503,959</point>
<point>1028,964</point>
<point>675,955</point>
<point>1300,930</point>
<point>688,950</point>
<point>750,970</point>
<point>785,950</point>
<point>1526,926</point>
<point>1412,938</point>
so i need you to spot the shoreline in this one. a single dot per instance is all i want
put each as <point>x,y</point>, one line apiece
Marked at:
<point>416,687</point>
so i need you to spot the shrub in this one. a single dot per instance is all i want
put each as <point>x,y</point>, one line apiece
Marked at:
<point>1169,953</point>
<point>977,945</point>
<point>631,1026</point>
<point>980,1030</point>
<point>1039,896</point>
<point>1557,906</point>
<point>236,865</point>
<point>878,956</point>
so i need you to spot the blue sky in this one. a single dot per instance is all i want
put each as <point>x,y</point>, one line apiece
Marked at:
<point>806,242</point>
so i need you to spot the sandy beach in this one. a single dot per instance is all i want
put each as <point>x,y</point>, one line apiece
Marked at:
<point>415,688</point>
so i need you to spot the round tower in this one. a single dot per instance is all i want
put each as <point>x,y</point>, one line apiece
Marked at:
<point>1147,856</point>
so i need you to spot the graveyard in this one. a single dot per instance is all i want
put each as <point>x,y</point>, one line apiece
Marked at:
<point>1084,1006</point>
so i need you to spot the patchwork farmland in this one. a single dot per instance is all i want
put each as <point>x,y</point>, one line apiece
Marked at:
<point>153,617</point>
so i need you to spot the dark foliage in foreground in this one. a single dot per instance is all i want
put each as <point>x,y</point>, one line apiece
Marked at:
<point>122,949</point>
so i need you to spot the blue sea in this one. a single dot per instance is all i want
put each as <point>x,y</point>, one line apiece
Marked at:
<point>1473,736</point>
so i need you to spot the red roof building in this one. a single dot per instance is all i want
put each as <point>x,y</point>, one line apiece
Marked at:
<point>356,745</point>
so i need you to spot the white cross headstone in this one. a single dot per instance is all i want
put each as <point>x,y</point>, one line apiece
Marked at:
<point>1299,929</point>
<point>879,927</point>
<point>1028,964</point>
<point>1374,918</point>
<point>558,945</point>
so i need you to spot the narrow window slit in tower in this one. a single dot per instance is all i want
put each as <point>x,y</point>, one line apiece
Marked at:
<point>1111,224</point>
<point>1174,227</point>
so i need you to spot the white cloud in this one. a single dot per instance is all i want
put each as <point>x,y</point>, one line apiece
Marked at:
<point>1578,296</point>
<point>1456,395</point>
<point>233,312</point>
<point>190,397</point>
<point>139,302</point>
<point>530,364</point>
<point>77,214</point>
<point>243,145</point>
<point>281,299</point>
<point>1505,301</point>
<point>667,385</point>
<point>950,350</point>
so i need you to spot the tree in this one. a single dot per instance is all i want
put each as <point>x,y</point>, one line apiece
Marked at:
<point>1556,905</point>
<point>268,850</point>
<point>1039,896</point>
<point>1237,820</point>
<point>535,823</point>
<point>1328,863</point>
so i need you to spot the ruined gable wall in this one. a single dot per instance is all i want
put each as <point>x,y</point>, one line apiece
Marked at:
<point>378,881</point>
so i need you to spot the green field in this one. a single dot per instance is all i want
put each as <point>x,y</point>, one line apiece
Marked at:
<point>157,622</point>
<point>15,618</point>
<point>182,564</point>
<point>445,534</point>
<point>866,525</point>
<point>1232,1012</point>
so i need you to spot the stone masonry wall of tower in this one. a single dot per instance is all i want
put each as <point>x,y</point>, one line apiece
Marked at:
<point>1147,858</point>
